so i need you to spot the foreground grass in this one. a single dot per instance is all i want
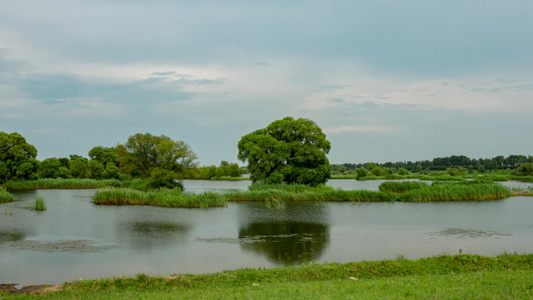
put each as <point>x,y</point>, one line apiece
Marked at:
<point>5,196</point>
<point>441,277</point>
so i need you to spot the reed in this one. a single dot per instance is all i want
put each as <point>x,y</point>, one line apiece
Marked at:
<point>39,204</point>
<point>5,196</point>
<point>295,192</point>
<point>401,186</point>
<point>162,197</point>
<point>59,183</point>
<point>461,191</point>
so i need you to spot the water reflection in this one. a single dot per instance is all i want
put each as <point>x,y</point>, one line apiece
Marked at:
<point>285,243</point>
<point>8,236</point>
<point>297,233</point>
<point>468,233</point>
<point>144,235</point>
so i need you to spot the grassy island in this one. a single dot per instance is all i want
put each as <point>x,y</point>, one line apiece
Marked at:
<point>440,277</point>
<point>389,191</point>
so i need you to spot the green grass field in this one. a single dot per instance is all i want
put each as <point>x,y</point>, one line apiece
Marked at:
<point>441,277</point>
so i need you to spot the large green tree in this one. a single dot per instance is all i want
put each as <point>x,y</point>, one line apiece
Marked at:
<point>287,150</point>
<point>17,158</point>
<point>159,157</point>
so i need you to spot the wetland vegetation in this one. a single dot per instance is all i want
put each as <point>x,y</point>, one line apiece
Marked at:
<point>5,196</point>
<point>275,193</point>
<point>461,276</point>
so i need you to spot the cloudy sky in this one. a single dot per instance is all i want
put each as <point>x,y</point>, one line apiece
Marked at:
<point>385,80</point>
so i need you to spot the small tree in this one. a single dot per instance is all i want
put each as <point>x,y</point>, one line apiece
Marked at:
<point>158,157</point>
<point>287,150</point>
<point>525,169</point>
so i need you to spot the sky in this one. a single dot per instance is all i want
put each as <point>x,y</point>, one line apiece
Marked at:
<point>385,80</point>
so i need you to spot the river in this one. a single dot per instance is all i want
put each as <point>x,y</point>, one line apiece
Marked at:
<point>76,239</point>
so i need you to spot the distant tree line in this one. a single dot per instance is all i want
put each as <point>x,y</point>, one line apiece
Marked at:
<point>481,165</point>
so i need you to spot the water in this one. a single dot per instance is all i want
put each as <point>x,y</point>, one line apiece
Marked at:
<point>76,239</point>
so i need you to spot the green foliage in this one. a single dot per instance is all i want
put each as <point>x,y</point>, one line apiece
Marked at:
<point>49,167</point>
<point>162,178</point>
<point>5,196</point>
<point>144,152</point>
<point>59,183</point>
<point>111,171</point>
<point>79,167</point>
<point>96,169</point>
<point>103,155</point>
<point>525,169</point>
<point>228,170</point>
<point>17,158</point>
<point>287,150</point>
<point>63,172</point>
<point>361,172</point>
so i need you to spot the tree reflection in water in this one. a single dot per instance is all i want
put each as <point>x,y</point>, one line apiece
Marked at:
<point>295,234</point>
<point>285,243</point>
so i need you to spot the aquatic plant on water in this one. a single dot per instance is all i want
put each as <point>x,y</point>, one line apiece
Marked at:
<point>39,204</point>
<point>5,196</point>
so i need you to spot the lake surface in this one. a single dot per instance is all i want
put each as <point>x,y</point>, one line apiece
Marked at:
<point>76,239</point>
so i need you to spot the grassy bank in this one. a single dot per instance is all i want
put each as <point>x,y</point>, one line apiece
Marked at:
<point>163,197</point>
<point>5,196</point>
<point>441,277</point>
<point>59,183</point>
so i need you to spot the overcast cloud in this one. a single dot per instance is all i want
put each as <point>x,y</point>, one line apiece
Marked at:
<point>386,80</point>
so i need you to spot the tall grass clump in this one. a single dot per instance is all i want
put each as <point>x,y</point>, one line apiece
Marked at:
<point>39,204</point>
<point>162,197</point>
<point>60,183</point>
<point>401,186</point>
<point>297,192</point>
<point>5,196</point>
<point>456,191</point>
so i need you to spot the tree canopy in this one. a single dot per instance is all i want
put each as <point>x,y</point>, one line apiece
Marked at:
<point>17,158</point>
<point>287,150</point>
<point>158,157</point>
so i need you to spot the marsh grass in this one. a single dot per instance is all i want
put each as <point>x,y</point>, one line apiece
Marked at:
<point>276,195</point>
<point>476,190</point>
<point>461,276</point>
<point>39,204</point>
<point>401,186</point>
<point>389,191</point>
<point>59,183</point>
<point>521,191</point>
<point>161,197</point>
<point>6,196</point>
